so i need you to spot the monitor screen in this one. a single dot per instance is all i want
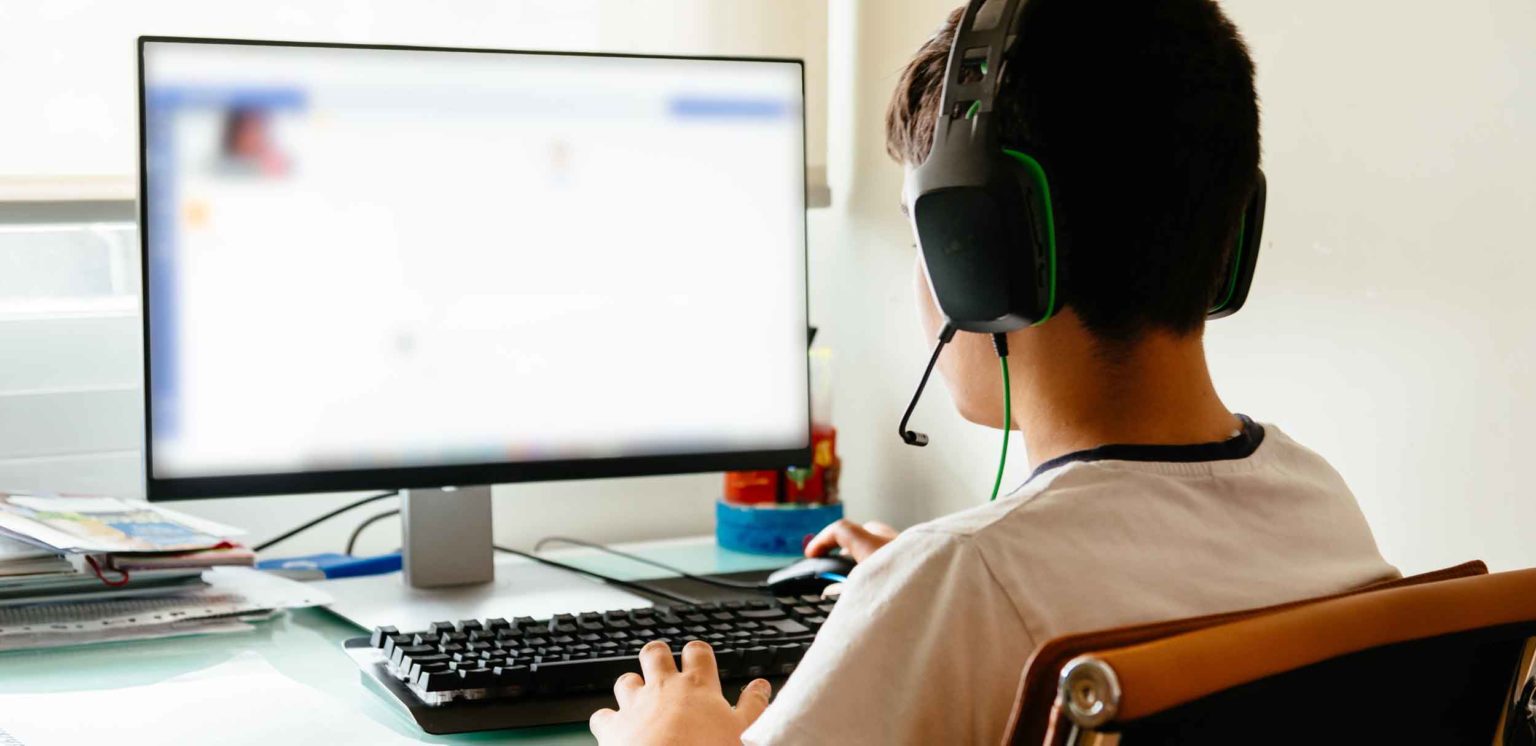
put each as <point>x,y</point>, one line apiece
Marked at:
<point>384,266</point>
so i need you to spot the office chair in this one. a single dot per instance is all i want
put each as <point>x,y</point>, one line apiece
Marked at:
<point>1437,658</point>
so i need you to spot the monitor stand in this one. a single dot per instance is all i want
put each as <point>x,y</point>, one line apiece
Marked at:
<point>446,537</point>
<point>451,572</point>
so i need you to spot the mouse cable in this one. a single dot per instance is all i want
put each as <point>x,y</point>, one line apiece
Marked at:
<point>638,587</point>
<point>1000,342</point>
<point>307,526</point>
<point>734,585</point>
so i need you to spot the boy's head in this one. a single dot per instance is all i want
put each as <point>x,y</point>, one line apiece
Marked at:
<point>1145,115</point>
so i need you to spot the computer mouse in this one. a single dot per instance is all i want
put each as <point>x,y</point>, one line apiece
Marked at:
<point>809,575</point>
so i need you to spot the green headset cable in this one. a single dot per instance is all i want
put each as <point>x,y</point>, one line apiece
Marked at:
<point>1000,341</point>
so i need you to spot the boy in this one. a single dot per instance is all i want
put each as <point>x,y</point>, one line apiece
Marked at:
<point>1149,499</point>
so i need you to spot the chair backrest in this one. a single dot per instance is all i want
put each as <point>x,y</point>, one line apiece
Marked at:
<point>1038,716</point>
<point>1423,663</point>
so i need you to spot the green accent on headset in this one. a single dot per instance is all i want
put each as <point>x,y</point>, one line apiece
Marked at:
<point>1037,172</point>
<point>1002,461</point>
<point>1237,259</point>
<point>971,112</point>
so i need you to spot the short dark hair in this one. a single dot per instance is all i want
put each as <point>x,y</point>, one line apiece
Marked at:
<point>1145,115</point>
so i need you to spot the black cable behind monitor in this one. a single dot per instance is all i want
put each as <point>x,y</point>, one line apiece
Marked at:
<point>637,587</point>
<point>718,582</point>
<point>322,519</point>
<point>356,532</point>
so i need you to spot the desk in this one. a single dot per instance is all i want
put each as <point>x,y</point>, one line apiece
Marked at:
<point>306,646</point>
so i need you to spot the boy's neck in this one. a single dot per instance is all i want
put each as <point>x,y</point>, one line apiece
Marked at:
<point>1073,395</point>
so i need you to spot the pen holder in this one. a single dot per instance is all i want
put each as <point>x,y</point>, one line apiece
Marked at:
<point>771,528</point>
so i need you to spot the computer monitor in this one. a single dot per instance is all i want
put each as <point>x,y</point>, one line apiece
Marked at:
<point>384,267</point>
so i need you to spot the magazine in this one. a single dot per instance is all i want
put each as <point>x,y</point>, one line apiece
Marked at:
<point>105,525</point>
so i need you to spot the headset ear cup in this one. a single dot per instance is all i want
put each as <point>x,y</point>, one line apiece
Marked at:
<point>1244,260</point>
<point>1035,233</point>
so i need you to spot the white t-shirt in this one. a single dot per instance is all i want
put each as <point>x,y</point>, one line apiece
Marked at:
<point>930,636</point>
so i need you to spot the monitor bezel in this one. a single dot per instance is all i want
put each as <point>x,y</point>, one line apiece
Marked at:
<point>420,477</point>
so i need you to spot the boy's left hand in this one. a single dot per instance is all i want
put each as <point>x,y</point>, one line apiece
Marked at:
<point>668,706</point>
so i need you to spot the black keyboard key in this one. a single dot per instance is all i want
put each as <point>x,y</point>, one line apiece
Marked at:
<point>517,677</point>
<point>426,638</point>
<point>409,662</point>
<point>789,627</point>
<point>440,681</point>
<point>441,628</point>
<point>786,657</point>
<point>728,660</point>
<point>763,614</point>
<point>394,641</point>
<point>470,625</point>
<point>476,678</point>
<point>420,669</point>
<point>756,660</point>
<point>379,634</point>
<point>398,655</point>
<point>497,625</point>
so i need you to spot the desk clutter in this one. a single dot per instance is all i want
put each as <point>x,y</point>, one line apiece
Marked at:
<point>78,570</point>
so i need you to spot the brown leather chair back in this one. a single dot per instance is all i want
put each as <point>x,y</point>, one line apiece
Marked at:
<point>1275,674</point>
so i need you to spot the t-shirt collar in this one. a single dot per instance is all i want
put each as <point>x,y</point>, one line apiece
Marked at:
<point>1239,446</point>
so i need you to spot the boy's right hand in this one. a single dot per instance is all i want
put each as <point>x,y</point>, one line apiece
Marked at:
<point>856,541</point>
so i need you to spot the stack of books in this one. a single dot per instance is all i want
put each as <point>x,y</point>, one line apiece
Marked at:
<point>57,549</point>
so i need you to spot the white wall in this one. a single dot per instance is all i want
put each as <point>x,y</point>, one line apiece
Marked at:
<point>1392,326</point>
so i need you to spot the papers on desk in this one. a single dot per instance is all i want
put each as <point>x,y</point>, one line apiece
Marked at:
<point>229,599</point>
<point>18,558</point>
<point>242,701</point>
<point>56,549</point>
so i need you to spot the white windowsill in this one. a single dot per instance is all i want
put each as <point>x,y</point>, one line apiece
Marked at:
<point>82,188</point>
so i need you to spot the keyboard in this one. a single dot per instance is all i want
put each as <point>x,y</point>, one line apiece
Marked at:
<point>486,674</point>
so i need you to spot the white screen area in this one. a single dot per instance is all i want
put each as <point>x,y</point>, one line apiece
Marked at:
<point>370,258</point>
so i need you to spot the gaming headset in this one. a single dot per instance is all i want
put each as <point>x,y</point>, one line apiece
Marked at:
<point>982,211</point>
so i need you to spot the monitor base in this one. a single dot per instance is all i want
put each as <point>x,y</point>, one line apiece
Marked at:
<point>520,588</point>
